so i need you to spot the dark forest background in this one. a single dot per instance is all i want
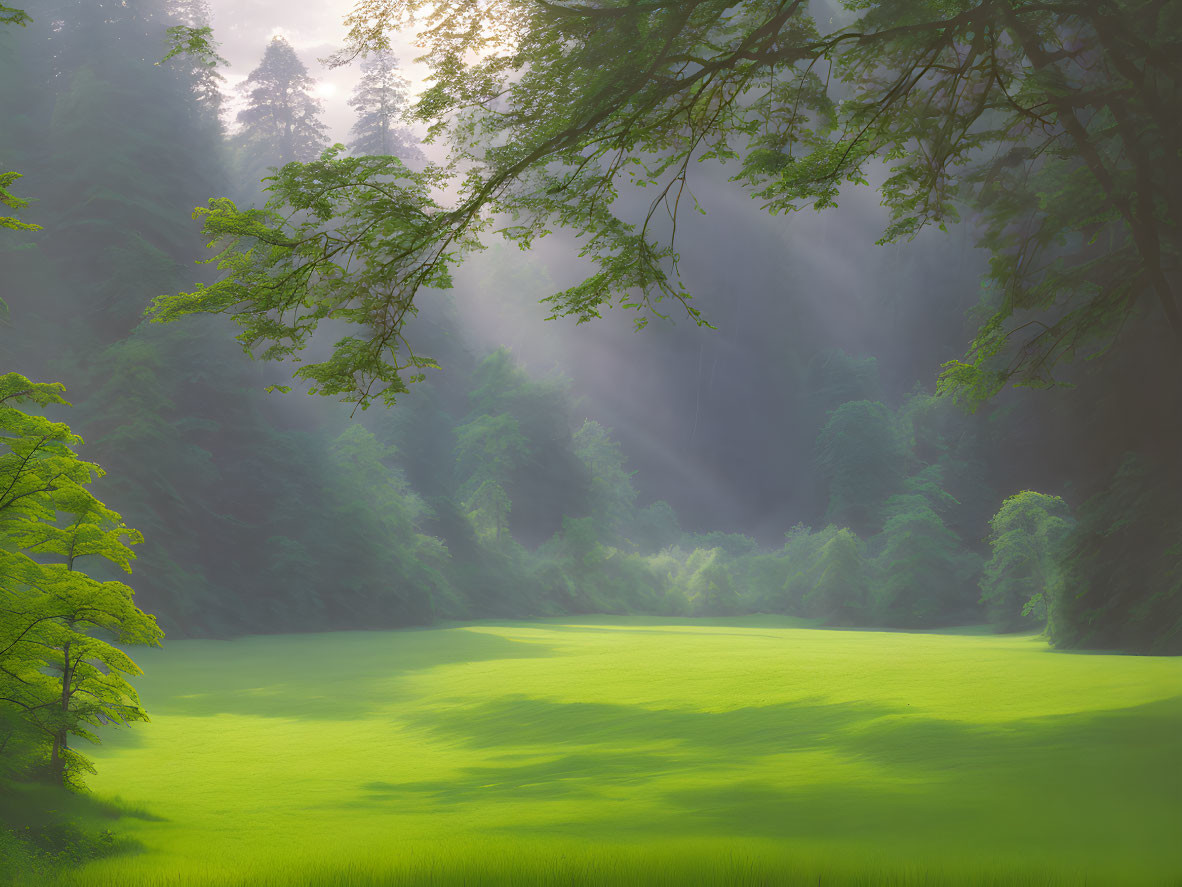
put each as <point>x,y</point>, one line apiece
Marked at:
<point>793,460</point>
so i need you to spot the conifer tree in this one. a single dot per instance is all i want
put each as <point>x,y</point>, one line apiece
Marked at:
<point>202,70</point>
<point>281,122</point>
<point>380,99</point>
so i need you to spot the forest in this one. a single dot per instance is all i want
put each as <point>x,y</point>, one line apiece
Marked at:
<point>602,442</point>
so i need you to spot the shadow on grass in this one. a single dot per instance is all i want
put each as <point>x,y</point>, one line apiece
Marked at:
<point>48,826</point>
<point>524,721</point>
<point>267,677</point>
<point>1088,784</point>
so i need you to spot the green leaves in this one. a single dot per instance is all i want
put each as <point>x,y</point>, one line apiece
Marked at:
<point>1062,148</point>
<point>7,198</point>
<point>1022,578</point>
<point>346,239</point>
<point>11,16</point>
<point>196,43</point>
<point>59,672</point>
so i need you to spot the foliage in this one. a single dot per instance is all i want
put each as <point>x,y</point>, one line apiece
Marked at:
<point>383,563</point>
<point>196,42</point>
<point>60,674</point>
<point>1021,584</point>
<point>834,378</point>
<point>281,121</point>
<point>488,451</point>
<point>380,100</point>
<point>860,455</point>
<point>11,16</point>
<point>348,205</point>
<point>191,44</point>
<point>1122,566</point>
<point>839,594</point>
<point>612,495</point>
<point>10,200</point>
<point>1052,122</point>
<point>922,567</point>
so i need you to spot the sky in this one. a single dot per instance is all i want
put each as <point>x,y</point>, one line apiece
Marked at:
<point>315,31</point>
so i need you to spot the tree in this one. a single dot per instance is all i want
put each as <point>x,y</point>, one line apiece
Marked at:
<point>58,670</point>
<point>612,494</point>
<point>380,100</point>
<point>10,200</point>
<point>281,122</point>
<point>1122,564</point>
<point>10,16</point>
<point>862,458</point>
<point>1052,123</point>
<point>922,567</point>
<point>840,593</point>
<point>488,450</point>
<point>389,571</point>
<point>193,45</point>
<point>707,584</point>
<point>1021,581</point>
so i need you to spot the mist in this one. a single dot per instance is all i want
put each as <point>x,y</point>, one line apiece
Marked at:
<point>762,594</point>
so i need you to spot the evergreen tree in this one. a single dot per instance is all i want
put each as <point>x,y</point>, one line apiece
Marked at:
<point>281,122</point>
<point>380,99</point>
<point>201,69</point>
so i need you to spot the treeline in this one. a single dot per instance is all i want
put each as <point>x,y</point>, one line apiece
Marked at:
<point>903,543</point>
<point>484,493</point>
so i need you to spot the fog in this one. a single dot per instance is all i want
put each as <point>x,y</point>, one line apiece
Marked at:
<point>755,601</point>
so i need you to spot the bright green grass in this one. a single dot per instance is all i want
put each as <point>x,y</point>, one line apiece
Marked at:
<point>668,752</point>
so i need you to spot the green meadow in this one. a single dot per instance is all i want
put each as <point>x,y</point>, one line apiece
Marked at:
<point>669,752</point>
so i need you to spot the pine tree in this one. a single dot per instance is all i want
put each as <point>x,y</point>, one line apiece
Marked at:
<point>202,72</point>
<point>380,99</point>
<point>282,121</point>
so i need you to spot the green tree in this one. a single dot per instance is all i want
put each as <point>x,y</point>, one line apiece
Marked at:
<point>612,494</point>
<point>655,527</point>
<point>1054,123</point>
<point>488,450</point>
<point>11,16</point>
<point>921,568</point>
<point>281,121</point>
<point>388,571</point>
<point>707,584</point>
<point>195,52</point>
<point>380,100</point>
<point>1122,564</point>
<point>840,592</point>
<point>1021,581</point>
<point>861,456</point>
<point>59,669</point>
<point>10,200</point>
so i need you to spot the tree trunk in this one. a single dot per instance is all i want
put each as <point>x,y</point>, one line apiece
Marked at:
<point>61,736</point>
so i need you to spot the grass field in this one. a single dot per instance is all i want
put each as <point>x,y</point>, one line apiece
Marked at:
<point>670,752</point>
